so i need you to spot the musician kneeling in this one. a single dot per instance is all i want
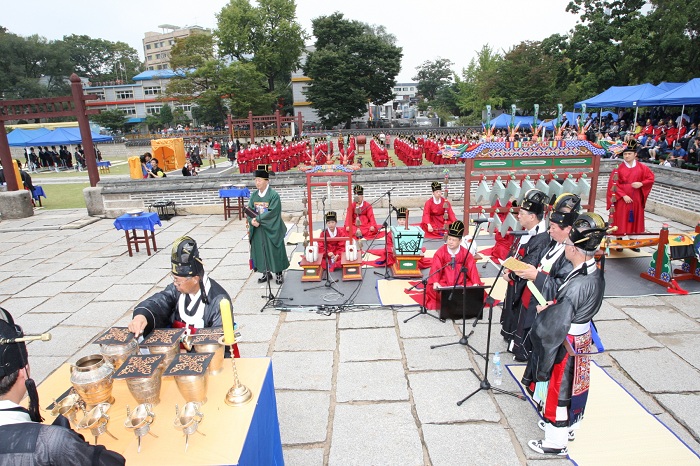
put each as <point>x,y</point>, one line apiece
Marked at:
<point>447,264</point>
<point>335,250</point>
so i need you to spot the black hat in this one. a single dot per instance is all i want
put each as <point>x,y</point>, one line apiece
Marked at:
<point>185,258</point>
<point>565,210</point>
<point>436,186</point>
<point>331,216</point>
<point>401,212</point>
<point>534,201</point>
<point>588,231</point>
<point>264,171</point>
<point>358,190</point>
<point>456,229</point>
<point>631,145</point>
<point>13,356</point>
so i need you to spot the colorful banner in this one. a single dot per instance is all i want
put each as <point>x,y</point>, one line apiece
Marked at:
<point>488,117</point>
<point>560,109</point>
<point>512,116</point>
<point>537,112</point>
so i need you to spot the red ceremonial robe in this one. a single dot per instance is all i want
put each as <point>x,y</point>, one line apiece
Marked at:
<point>448,275</point>
<point>366,219</point>
<point>629,218</point>
<point>336,247</point>
<point>434,214</point>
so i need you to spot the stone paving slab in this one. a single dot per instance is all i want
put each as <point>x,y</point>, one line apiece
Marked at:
<point>117,292</point>
<point>372,318</point>
<point>422,326</point>
<point>302,316</point>
<point>65,341</point>
<point>116,267</point>
<point>66,302</point>
<point>250,301</point>
<point>43,289</point>
<point>35,323</point>
<point>19,306</point>
<point>623,335</point>
<point>43,366</point>
<point>636,301</point>
<point>303,416</point>
<point>368,345</point>
<point>42,271</point>
<point>306,336</point>
<point>371,381</point>
<point>609,312</point>
<point>14,286</point>
<point>92,284</point>
<point>683,346</point>
<point>381,433</point>
<point>101,314</point>
<point>662,320</point>
<point>652,369</point>
<point>258,327</point>
<point>89,263</point>
<point>436,395</point>
<point>303,370</point>
<point>419,356</point>
<point>470,444</point>
<point>688,304</point>
<point>303,456</point>
<point>683,406</point>
<point>72,274</point>
<point>254,350</point>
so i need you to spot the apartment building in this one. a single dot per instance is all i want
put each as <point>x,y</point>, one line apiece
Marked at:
<point>157,45</point>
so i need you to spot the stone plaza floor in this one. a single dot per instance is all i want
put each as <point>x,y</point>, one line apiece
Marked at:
<point>355,387</point>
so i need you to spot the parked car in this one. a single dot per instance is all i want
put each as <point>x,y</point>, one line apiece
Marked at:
<point>401,123</point>
<point>424,122</point>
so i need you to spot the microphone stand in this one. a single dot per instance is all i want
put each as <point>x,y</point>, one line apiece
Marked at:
<point>329,282</point>
<point>386,274</point>
<point>484,383</point>
<point>423,309</point>
<point>464,340</point>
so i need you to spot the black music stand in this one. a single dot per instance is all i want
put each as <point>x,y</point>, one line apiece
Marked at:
<point>387,228</point>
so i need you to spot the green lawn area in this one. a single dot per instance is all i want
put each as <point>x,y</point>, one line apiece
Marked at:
<point>64,195</point>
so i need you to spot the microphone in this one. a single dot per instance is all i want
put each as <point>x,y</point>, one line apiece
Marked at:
<point>324,199</point>
<point>452,262</point>
<point>393,207</point>
<point>482,220</point>
<point>520,233</point>
<point>42,337</point>
<point>391,190</point>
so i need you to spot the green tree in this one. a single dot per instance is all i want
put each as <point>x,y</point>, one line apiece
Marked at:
<point>433,76</point>
<point>166,115</point>
<point>268,36</point>
<point>353,64</point>
<point>477,87</point>
<point>114,120</point>
<point>180,117</point>
<point>101,60</point>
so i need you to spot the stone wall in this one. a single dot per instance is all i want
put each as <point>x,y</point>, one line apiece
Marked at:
<point>676,193</point>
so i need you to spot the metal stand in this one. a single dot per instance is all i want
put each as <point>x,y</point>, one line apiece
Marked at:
<point>272,300</point>
<point>464,339</point>
<point>484,383</point>
<point>423,309</point>
<point>329,282</point>
<point>386,274</point>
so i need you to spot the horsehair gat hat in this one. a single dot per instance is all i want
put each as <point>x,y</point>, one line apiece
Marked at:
<point>401,212</point>
<point>185,259</point>
<point>264,171</point>
<point>436,186</point>
<point>588,231</point>
<point>358,190</point>
<point>456,229</point>
<point>534,201</point>
<point>565,210</point>
<point>331,216</point>
<point>13,356</point>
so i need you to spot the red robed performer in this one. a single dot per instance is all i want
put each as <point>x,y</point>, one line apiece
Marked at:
<point>335,248</point>
<point>361,214</point>
<point>401,220</point>
<point>437,213</point>
<point>453,249</point>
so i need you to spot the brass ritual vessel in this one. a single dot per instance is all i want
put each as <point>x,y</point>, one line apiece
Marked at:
<point>68,407</point>
<point>146,389</point>
<point>217,362</point>
<point>139,420</point>
<point>193,388</point>
<point>170,351</point>
<point>238,394</point>
<point>188,420</point>
<point>117,354</point>
<point>91,377</point>
<point>96,420</point>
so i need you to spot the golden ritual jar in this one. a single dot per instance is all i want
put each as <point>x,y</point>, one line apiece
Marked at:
<point>91,377</point>
<point>143,377</point>
<point>117,354</point>
<point>145,389</point>
<point>190,372</point>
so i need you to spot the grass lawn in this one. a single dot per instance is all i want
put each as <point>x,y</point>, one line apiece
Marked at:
<point>64,195</point>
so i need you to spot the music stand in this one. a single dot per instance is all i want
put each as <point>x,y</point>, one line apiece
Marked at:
<point>451,307</point>
<point>424,310</point>
<point>387,228</point>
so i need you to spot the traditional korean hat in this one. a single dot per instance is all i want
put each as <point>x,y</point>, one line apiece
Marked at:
<point>331,216</point>
<point>588,231</point>
<point>534,201</point>
<point>264,171</point>
<point>358,190</point>
<point>185,259</point>
<point>401,212</point>
<point>436,186</point>
<point>456,229</point>
<point>631,145</point>
<point>565,210</point>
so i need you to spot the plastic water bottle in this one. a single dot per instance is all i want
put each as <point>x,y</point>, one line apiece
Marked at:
<point>497,369</point>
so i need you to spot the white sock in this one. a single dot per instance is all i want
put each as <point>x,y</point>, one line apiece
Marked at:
<point>555,437</point>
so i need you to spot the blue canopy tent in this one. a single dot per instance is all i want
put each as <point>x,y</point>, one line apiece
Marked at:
<point>502,121</point>
<point>18,137</point>
<point>64,136</point>
<point>687,94</point>
<point>667,86</point>
<point>622,96</point>
<point>605,114</point>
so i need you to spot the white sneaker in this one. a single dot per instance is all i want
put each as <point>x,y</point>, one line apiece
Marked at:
<point>536,445</point>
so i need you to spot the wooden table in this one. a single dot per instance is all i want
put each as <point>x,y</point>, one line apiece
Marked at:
<point>145,222</point>
<point>247,434</point>
<point>237,195</point>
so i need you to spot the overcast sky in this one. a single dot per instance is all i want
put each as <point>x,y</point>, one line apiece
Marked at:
<point>426,30</point>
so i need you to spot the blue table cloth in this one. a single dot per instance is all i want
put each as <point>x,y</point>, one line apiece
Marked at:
<point>145,221</point>
<point>38,192</point>
<point>104,163</point>
<point>234,192</point>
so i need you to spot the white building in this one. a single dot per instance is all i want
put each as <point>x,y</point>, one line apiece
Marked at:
<point>157,45</point>
<point>144,97</point>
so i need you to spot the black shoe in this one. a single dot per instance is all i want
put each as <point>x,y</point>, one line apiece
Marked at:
<point>636,250</point>
<point>279,279</point>
<point>265,277</point>
<point>536,445</point>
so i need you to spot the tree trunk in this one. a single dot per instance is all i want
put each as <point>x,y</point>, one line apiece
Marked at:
<point>348,123</point>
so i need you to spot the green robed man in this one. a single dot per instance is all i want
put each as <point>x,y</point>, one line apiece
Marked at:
<point>266,231</point>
